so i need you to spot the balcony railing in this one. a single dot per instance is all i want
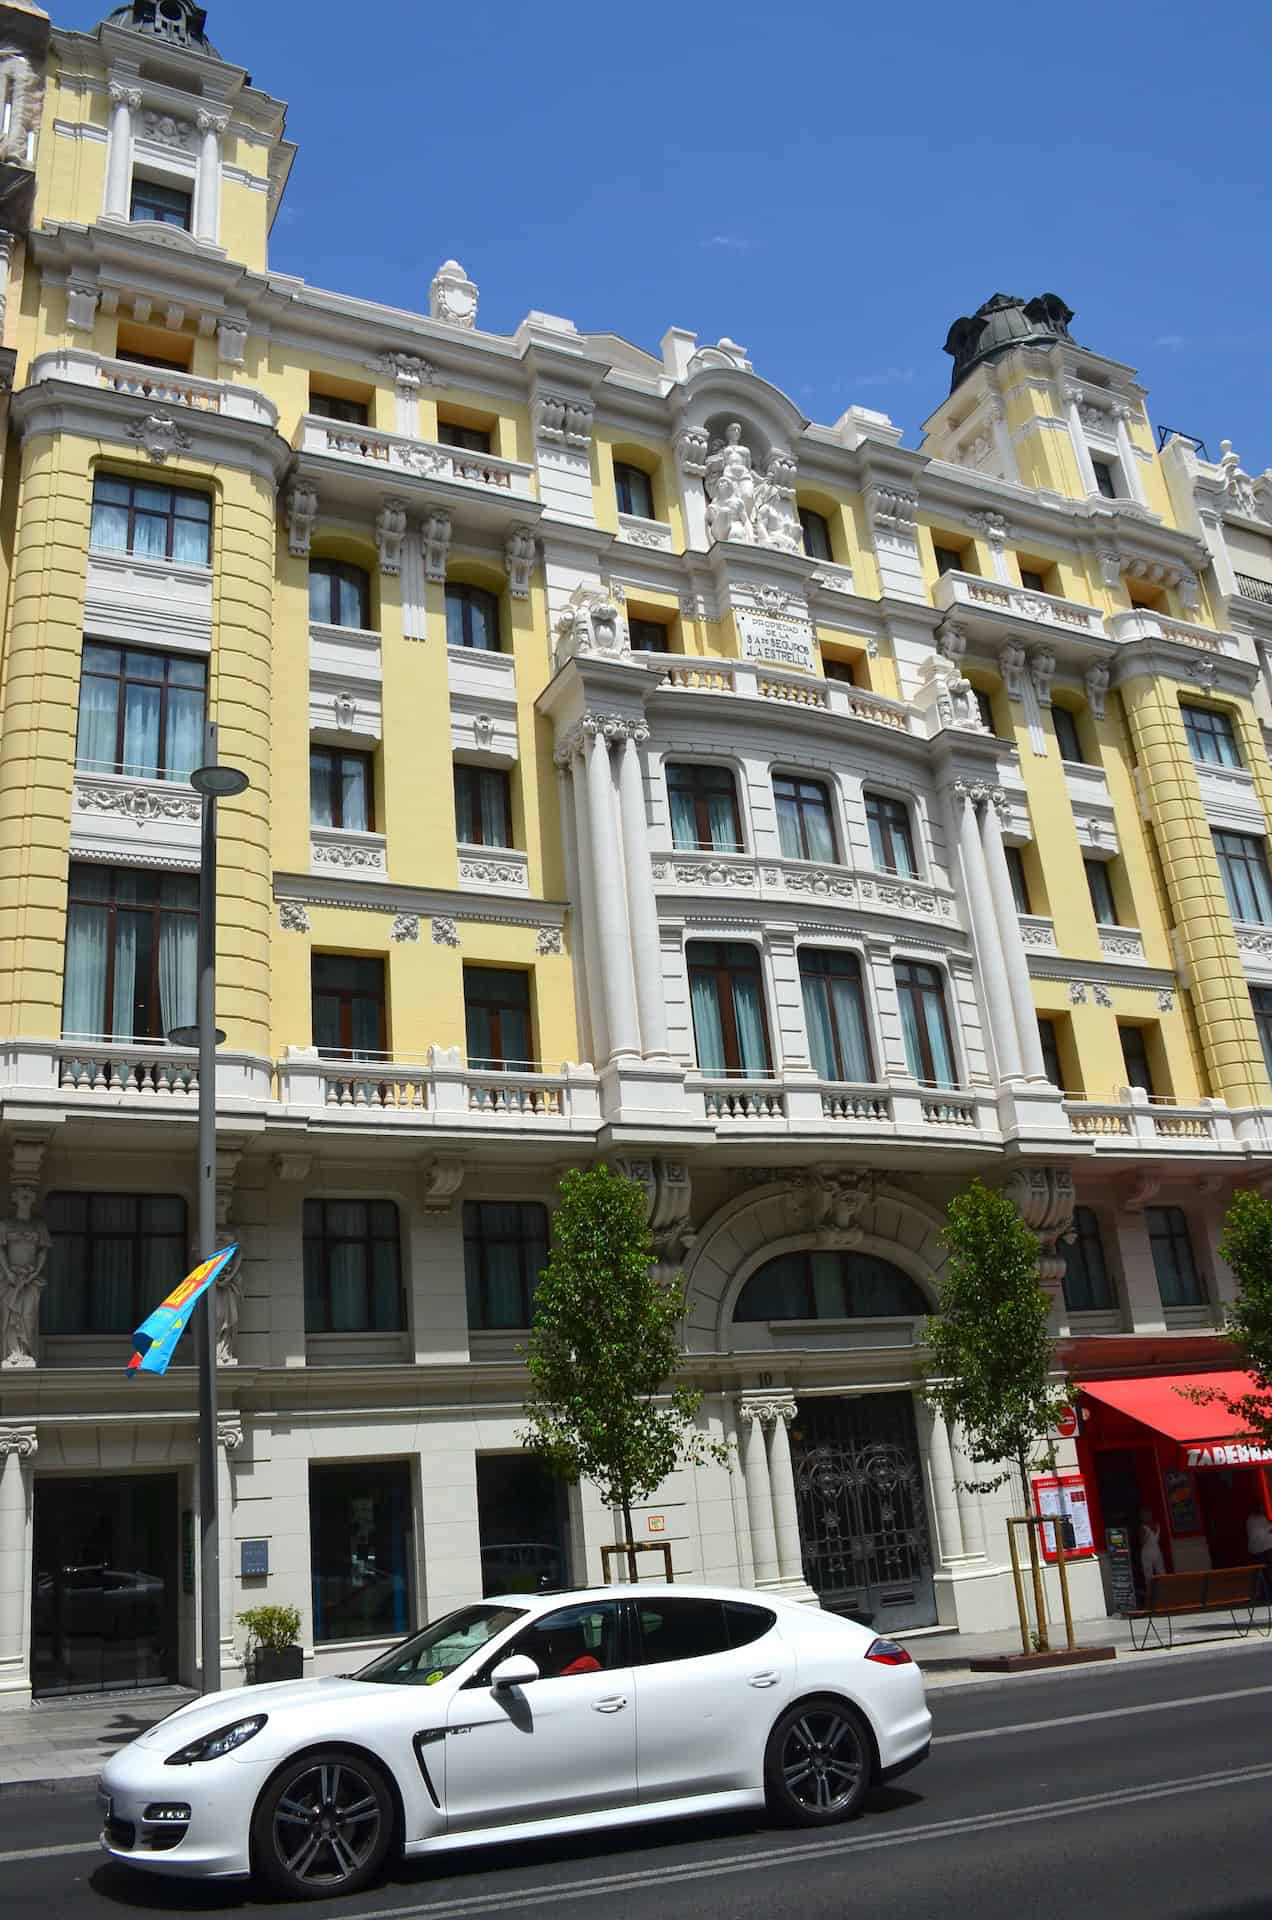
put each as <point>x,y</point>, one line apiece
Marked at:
<point>441,1090</point>
<point>157,386</point>
<point>112,1067</point>
<point>1260,590</point>
<point>1143,623</point>
<point>748,681</point>
<point>970,591</point>
<point>862,1105</point>
<point>392,453</point>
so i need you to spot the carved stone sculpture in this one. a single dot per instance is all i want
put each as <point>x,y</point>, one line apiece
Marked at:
<point>24,1252</point>
<point>228,1293</point>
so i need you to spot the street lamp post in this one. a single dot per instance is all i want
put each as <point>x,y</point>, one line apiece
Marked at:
<point>213,782</point>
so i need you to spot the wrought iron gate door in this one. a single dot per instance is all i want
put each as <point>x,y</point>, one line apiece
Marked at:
<point>862,1517</point>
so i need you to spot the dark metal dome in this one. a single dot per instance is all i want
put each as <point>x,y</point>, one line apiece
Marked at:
<point>176,22</point>
<point>1006,321</point>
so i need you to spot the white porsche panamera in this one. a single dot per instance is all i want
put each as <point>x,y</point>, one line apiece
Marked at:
<point>521,1717</point>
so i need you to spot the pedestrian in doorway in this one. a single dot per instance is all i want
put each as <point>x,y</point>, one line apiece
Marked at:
<point>1152,1560</point>
<point>1259,1544</point>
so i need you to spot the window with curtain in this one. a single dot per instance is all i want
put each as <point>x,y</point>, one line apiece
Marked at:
<point>1049,1041</point>
<point>353,1267</point>
<point>131,953</point>
<point>166,206</point>
<point>339,594</point>
<point>1087,1287</point>
<point>1067,740</point>
<point>1135,1058</point>
<point>704,807</point>
<point>470,439</point>
<point>805,820</point>
<point>726,993</point>
<point>816,531</point>
<point>483,807</point>
<point>140,713</point>
<point>360,1550</point>
<point>891,838</point>
<point>648,636</point>
<point>153,522</point>
<point>1243,864</point>
<point>830,1286</point>
<point>634,489</point>
<point>1178,1281</point>
<point>1019,882</point>
<point>1100,888</point>
<point>929,1051</point>
<point>114,1257</point>
<point>341,790</point>
<point>505,1251</point>
<point>348,1006</point>
<point>1212,739</point>
<point>1261,1001</point>
<point>497,1019</point>
<point>472,618</point>
<point>835,1014</point>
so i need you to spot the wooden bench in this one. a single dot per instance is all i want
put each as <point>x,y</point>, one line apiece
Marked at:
<point>1233,1590</point>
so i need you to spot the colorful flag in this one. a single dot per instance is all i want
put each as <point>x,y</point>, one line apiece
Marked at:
<point>157,1337</point>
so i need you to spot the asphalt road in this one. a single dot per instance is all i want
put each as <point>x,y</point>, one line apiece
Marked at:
<point>1142,1790</point>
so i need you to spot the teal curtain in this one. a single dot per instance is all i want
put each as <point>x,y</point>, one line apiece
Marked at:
<point>707,1031</point>
<point>142,707</point>
<point>821,1032</point>
<point>817,830</point>
<point>83,1001</point>
<point>353,793</point>
<point>98,721</point>
<point>178,969</point>
<point>720,816</point>
<point>748,1013</point>
<point>494,822</point>
<point>184,748</point>
<point>854,1041</point>
<point>684,819</point>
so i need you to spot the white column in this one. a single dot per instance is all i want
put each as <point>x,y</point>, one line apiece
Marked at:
<point>207,203</point>
<point>17,1448</point>
<point>1007,916</point>
<point>1005,452</point>
<point>642,908</point>
<point>971,1519</point>
<point>124,101</point>
<point>759,1496</point>
<point>1081,451</point>
<point>941,1467</point>
<point>611,914</point>
<point>790,1558</point>
<point>1002,1026</point>
<point>1128,456</point>
<point>585,897</point>
<point>229,1437</point>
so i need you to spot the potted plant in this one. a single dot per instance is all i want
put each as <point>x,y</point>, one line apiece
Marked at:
<point>272,1651</point>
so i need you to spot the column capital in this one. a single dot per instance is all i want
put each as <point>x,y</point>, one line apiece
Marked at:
<point>767,1408</point>
<point>212,122</point>
<point>122,96</point>
<point>229,1433</point>
<point>20,1440</point>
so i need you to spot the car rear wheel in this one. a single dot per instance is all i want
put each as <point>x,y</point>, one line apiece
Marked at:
<point>323,1826</point>
<point>819,1763</point>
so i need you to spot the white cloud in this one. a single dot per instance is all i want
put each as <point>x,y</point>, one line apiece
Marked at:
<point>729,242</point>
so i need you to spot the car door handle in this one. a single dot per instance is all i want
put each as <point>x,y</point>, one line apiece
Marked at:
<point>612,1703</point>
<point>766,1679</point>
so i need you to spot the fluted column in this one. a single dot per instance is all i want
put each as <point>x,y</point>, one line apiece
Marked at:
<point>941,1465</point>
<point>790,1558</point>
<point>971,1519</point>
<point>1127,454</point>
<point>17,1450</point>
<point>611,913</point>
<point>229,1436</point>
<point>1077,434</point>
<point>207,206</point>
<point>1007,916</point>
<point>642,909</point>
<point>980,903</point>
<point>124,102</point>
<point>585,897</point>
<point>759,1494</point>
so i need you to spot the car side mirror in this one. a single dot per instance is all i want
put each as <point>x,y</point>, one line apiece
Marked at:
<point>518,1670</point>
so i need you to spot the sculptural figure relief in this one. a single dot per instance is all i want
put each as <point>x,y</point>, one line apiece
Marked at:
<point>24,1254</point>
<point>744,505</point>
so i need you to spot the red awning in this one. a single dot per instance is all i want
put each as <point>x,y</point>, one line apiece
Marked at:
<point>1207,1432</point>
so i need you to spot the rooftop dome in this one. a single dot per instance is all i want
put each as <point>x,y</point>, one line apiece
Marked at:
<point>177,22</point>
<point>1006,321</point>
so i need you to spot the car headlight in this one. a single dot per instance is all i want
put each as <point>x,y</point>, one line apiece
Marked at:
<point>212,1746</point>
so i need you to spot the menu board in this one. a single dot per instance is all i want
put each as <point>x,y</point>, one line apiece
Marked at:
<point>1064,1495</point>
<point>1181,1501</point>
<point>1117,1541</point>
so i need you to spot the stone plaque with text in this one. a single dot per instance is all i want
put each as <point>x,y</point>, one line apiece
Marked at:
<point>782,641</point>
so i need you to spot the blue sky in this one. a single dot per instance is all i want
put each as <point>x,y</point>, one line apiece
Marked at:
<point>830,184</point>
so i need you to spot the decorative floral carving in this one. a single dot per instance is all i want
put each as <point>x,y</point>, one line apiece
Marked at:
<point>1042,669</point>
<point>1103,998</point>
<point>390,531</point>
<point>1077,994</point>
<point>452,297</point>
<point>160,435</point>
<point>20,1440</point>
<point>549,940</point>
<point>142,805</point>
<point>993,527</point>
<point>1165,1000</point>
<point>293,917</point>
<point>302,517</point>
<point>349,855</point>
<point>488,872</point>
<point>559,421</point>
<point>894,509</point>
<point>1096,683</point>
<point>437,539</point>
<point>445,933</point>
<point>519,559</point>
<point>692,449</point>
<point>405,927</point>
<point>165,130</point>
<point>1011,663</point>
<point>408,369</point>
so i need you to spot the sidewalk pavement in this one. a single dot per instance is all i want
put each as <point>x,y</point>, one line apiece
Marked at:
<point>55,1744</point>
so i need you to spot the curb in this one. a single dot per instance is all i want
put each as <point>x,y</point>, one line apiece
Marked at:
<point>58,1783</point>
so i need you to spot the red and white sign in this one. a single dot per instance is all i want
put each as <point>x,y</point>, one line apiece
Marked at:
<point>1064,1495</point>
<point>1067,1423</point>
<point>1229,1453</point>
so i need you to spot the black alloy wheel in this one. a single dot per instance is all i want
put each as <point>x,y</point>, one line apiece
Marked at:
<point>323,1826</point>
<point>819,1764</point>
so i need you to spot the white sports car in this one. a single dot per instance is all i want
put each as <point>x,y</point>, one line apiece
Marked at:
<point>519,1717</point>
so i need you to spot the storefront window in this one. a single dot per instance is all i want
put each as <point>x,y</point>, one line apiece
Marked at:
<point>359,1542</point>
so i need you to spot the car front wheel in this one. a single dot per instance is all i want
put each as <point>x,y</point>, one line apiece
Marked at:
<point>819,1763</point>
<point>323,1826</point>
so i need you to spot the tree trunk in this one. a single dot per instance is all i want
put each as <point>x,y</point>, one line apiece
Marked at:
<point>1035,1567</point>
<point>627,1537</point>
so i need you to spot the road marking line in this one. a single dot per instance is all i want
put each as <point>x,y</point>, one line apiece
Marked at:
<point>1105,1713</point>
<point>50,1853</point>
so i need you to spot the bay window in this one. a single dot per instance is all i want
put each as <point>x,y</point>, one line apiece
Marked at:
<point>929,1051</point>
<point>704,808</point>
<point>805,822</point>
<point>835,1013</point>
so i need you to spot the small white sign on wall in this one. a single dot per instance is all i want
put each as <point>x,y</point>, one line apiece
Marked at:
<point>783,641</point>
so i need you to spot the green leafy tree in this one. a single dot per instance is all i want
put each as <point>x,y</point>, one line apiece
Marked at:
<point>1247,1247</point>
<point>991,1356</point>
<point>604,1349</point>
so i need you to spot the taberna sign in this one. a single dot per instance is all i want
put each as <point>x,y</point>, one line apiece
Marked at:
<point>1230,1453</point>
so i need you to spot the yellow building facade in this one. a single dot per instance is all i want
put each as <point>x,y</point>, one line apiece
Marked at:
<point>639,772</point>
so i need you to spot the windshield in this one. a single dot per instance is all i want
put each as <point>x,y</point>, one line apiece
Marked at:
<point>440,1647</point>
